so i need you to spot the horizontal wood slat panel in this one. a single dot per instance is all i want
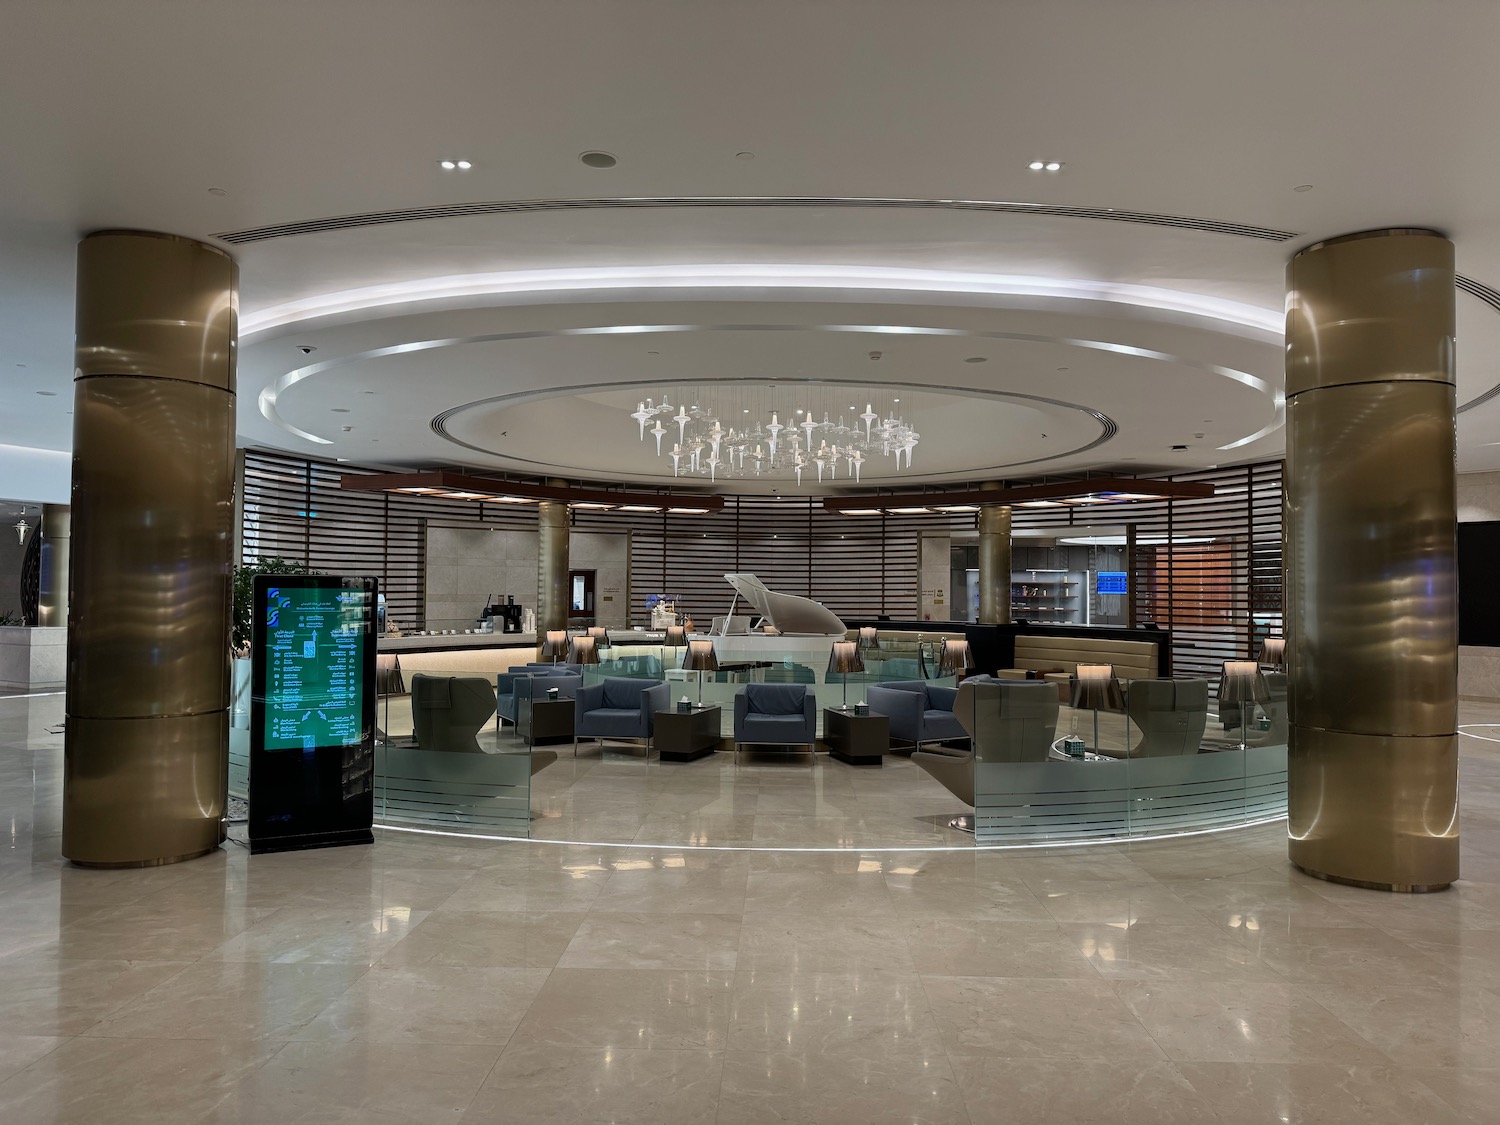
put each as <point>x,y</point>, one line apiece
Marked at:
<point>1209,570</point>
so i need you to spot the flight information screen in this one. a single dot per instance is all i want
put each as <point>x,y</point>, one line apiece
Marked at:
<point>312,711</point>
<point>315,689</point>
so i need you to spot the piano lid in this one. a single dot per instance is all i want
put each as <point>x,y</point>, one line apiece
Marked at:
<point>790,614</point>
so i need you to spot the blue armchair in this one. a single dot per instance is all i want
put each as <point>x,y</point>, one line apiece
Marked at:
<point>919,711</point>
<point>512,687</point>
<point>775,715</point>
<point>618,708</point>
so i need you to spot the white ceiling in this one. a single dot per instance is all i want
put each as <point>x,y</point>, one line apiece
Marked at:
<point>126,115</point>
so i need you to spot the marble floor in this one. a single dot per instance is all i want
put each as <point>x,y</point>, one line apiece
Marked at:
<point>428,979</point>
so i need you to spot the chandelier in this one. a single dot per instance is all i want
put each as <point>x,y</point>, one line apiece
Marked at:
<point>737,433</point>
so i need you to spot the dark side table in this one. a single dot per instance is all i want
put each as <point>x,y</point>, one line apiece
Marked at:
<point>682,736</point>
<point>859,740</point>
<point>546,720</point>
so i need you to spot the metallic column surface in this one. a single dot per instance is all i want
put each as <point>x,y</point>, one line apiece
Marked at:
<point>994,564</point>
<point>52,603</point>
<point>552,566</point>
<point>146,748</point>
<point>1370,523</point>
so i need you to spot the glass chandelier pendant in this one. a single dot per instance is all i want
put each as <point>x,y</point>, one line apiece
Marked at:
<point>705,446</point>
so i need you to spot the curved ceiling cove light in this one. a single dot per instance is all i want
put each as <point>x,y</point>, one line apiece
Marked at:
<point>1049,494</point>
<point>761,276</point>
<point>267,400</point>
<point>445,485</point>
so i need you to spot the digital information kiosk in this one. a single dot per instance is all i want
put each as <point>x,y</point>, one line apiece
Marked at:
<point>312,712</point>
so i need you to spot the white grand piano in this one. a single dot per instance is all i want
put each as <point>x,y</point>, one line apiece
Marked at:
<point>803,630</point>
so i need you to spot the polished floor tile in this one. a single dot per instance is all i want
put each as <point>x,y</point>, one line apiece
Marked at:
<point>677,965</point>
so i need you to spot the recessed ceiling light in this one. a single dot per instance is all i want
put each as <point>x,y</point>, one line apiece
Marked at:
<point>454,165</point>
<point>464,165</point>
<point>217,191</point>
<point>597,158</point>
<point>1054,166</point>
<point>977,359</point>
<point>1045,166</point>
<point>747,410</point>
<point>47,394</point>
<point>1303,187</point>
<point>895,400</point>
<point>744,156</point>
<point>338,410</point>
<point>1037,165</point>
<point>447,165</point>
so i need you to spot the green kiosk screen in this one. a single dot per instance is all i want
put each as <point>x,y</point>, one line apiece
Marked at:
<point>314,659</point>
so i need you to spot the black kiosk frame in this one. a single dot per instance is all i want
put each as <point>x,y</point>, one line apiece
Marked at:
<point>312,711</point>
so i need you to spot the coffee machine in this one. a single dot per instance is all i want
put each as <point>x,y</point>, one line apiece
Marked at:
<point>508,612</point>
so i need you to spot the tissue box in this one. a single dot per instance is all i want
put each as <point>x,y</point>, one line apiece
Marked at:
<point>684,706</point>
<point>1073,746</point>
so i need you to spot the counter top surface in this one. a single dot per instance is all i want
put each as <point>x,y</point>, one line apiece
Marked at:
<point>456,641</point>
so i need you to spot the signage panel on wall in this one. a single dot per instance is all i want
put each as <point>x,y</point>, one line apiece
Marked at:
<point>312,716</point>
<point>1112,582</point>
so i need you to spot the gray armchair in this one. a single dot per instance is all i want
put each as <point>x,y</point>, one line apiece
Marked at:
<point>919,711</point>
<point>448,711</point>
<point>776,715</point>
<point>1007,720</point>
<point>513,687</point>
<point>1172,715</point>
<point>618,708</point>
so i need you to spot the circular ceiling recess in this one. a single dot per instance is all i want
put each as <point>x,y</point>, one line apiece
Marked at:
<point>750,433</point>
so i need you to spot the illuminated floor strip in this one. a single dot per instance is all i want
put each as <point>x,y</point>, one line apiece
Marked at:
<point>1038,845</point>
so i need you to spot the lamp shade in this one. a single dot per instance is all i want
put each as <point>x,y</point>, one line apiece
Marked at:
<point>869,637</point>
<point>701,657</point>
<point>1096,689</point>
<point>1273,651</point>
<point>600,635</point>
<point>555,644</point>
<point>845,657</point>
<point>584,650</point>
<point>1242,682</point>
<point>676,637</point>
<point>955,658</point>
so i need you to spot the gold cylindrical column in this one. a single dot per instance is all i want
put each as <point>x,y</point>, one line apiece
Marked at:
<point>146,748</point>
<point>994,564</point>
<point>552,566</point>
<point>1369,527</point>
<point>52,599</point>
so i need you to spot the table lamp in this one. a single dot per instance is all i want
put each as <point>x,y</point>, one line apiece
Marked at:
<point>1096,689</point>
<point>583,650</point>
<point>676,638</point>
<point>1273,651</point>
<point>1241,684</point>
<point>955,659</point>
<point>701,658</point>
<point>601,637</point>
<point>845,658</point>
<point>869,636</point>
<point>555,645</point>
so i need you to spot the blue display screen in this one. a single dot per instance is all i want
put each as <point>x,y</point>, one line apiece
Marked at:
<point>1112,582</point>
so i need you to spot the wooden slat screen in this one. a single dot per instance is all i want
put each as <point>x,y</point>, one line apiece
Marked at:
<point>1209,570</point>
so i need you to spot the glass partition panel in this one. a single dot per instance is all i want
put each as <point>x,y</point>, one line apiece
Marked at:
<point>451,752</point>
<point>1170,762</point>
